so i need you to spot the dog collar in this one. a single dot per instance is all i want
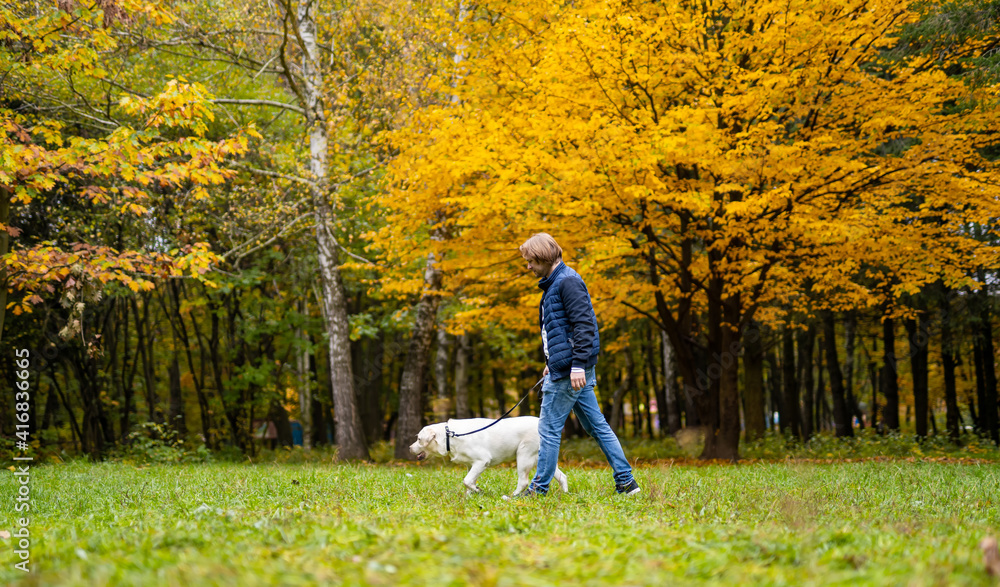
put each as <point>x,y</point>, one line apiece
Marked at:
<point>447,438</point>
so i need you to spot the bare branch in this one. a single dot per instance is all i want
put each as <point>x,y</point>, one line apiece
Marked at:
<point>658,323</point>
<point>267,173</point>
<point>272,103</point>
<point>264,244</point>
<point>350,254</point>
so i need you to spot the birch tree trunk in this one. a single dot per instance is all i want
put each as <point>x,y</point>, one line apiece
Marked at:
<point>350,435</point>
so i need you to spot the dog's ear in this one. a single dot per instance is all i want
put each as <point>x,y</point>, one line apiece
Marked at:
<point>433,442</point>
<point>426,436</point>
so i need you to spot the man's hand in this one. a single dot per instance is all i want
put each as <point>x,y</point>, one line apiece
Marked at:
<point>577,380</point>
<point>546,371</point>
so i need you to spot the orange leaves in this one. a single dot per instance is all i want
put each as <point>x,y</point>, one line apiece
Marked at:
<point>87,266</point>
<point>180,105</point>
<point>111,168</point>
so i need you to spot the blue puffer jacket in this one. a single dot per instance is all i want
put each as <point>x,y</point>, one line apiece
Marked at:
<point>570,323</point>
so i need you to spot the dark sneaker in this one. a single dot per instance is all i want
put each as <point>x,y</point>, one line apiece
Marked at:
<point>528,493</point>
<point>531,491</point>
<point>630,488</point>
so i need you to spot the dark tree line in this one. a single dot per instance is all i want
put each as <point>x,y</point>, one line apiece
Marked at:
<point>211,363</point>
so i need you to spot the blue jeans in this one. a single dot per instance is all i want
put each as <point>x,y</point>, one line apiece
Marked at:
<point>558,399</point>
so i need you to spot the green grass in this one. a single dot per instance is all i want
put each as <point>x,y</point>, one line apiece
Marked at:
<point>270,523</point>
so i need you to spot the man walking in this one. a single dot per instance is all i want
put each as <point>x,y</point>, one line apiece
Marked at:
<point>571,343</point>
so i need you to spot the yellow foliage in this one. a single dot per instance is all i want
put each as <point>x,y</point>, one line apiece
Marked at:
<point>168,151</point>
<point>709,152</point>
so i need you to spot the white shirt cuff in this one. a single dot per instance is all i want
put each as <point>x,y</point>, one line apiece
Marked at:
<point>577,370</point>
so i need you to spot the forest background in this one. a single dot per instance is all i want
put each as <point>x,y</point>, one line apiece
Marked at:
<point>216,216</point>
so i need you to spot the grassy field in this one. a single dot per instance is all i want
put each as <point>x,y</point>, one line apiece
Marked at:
<point>890,522</point>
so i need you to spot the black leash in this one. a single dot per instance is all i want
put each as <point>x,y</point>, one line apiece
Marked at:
<point>448,434</point>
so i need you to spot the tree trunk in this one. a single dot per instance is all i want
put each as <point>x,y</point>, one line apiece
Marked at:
<point>462,376</point>
<point>320,408</point>
<point>988,415</point>
<point>304,380</point>
<point>411,388</point>
<point>82,440</point>
<point>678,331</point>
<point>720,408</point>
<point>820,409</point>
<point>617,411</point>
<point>841,414</point>
<point>94,427</point>
<point>528,373</point>
<point>918,339</point>
<point>369,383</point>
<point>807,343</point>
<point>182,340</point>
<point>774,384</point>
<point>753,371</point>
<point>873,375</point>
<point>647,404</point>
<point>708,401</point>
<point>146,339</point>
<point>499,390</point>
<point>118,338</point>
<point>890,383</point>
<point>725,442</point>
<point>670,403</point>
<point>277,413</point>
<point>442,403</point>
<point>350,433</point>
<point>51,406</point>
<point>850,332</point>
<point>791,416</point>
<point>653,371</point>
<point>948,356</point>
<point>175,415</point>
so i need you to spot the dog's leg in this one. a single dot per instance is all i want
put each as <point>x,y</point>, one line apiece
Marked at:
<point>561,479</point>
<point>527,458</point>
<point>470,480</point>
<point>523,476</point>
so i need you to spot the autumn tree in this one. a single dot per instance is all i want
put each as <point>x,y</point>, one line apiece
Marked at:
<point>82,185</point>
<point>700,161</point>
<point>342,70</point>
<point>114,167</point>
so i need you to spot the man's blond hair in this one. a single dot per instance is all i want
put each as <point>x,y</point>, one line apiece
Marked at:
<point>541,247</point>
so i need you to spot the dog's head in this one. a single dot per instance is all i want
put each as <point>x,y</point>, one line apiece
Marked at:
<point>427,442</point>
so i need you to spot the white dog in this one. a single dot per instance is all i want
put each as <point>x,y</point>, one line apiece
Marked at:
<point>501,442</point>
